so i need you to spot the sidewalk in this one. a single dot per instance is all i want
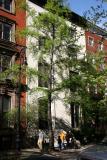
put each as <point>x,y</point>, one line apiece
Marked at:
<point>34,152</point>
<point>13,155</point>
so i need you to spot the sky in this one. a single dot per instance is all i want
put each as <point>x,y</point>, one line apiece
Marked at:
<point>80,6</point>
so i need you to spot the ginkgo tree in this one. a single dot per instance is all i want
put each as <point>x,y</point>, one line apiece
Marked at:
<point>52,38</point>
<point>55,47</point>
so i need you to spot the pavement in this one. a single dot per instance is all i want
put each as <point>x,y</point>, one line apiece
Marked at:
<point>35,154</point>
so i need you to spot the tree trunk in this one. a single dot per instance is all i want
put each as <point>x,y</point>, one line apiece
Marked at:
<point>51,136</point>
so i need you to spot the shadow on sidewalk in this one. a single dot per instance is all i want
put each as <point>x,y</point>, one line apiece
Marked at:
<point>13,155</point>
<point>35,154</point>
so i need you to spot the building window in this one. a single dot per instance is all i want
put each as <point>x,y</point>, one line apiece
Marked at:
<point>43,113</point>
<point>91,41</point>
<point>41,42</point>
<point>43,76</point>
<point>0,3</point>
<point>7,31</point>
<point>77,116</point>
<point>8,5</point>
<point>5,62</point>
<point>100,46</point>
<point>5,102</point>
<point>5,106</point>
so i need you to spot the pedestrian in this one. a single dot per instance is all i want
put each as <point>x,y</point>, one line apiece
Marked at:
<point>40,140</point>
<point>77,144</point>
<point>59,142</point>
<point>68,136</point>
<point>62,137</point>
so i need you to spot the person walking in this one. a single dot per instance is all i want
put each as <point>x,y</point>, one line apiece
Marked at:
<point>68,136</point>
<point>59,142</point>
<point>62,137</point>
<point>40,140</point>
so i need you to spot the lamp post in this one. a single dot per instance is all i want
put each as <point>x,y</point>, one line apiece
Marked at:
<point>22,61</point>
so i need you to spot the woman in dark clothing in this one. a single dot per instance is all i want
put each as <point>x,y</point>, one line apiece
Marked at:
<point>59,142</point>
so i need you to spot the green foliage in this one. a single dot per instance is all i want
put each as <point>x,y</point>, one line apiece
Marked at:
<point>31,115</point>
<point>32,119</point>
<point>50,45</point>
<point>11,115</point>
<point>57,7</point>
<point>93,101</point>
<point>53,38</point>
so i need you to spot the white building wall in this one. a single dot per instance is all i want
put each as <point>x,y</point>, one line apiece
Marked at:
<point>81,42</point>
<point>59,110</point>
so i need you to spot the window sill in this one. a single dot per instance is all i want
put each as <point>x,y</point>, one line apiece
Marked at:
<point>90,45</point>
<point>7,11</point>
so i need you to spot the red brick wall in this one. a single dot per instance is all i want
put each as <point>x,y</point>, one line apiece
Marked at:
<point>19,17</point>
<point>97,39</point>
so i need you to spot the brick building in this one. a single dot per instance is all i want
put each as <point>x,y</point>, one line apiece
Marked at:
<point>95,41</point>
<point>12,19</point>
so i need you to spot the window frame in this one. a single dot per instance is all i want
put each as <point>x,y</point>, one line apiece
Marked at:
<point>11,34</point>
<point>41,42</point>
<point>3,110</point>
<point>92,43</point>
<point>11,6</point>
<point>4,67</point>
<point>100,46</point>
<point>42,68</point>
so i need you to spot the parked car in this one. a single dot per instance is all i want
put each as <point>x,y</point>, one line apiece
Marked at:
<point>95,152</point>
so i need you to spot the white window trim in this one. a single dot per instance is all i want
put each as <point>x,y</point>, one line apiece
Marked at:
<point>12,7</point>
<point>89,37</point>
<point>100,46</point>
<point>12,32</point>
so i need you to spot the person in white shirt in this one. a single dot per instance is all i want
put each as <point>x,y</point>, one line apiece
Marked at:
<point>40,140</point>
